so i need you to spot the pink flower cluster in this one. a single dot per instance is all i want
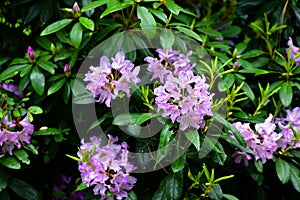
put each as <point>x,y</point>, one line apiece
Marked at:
<point>14,133</point>
<point>264,141</point>
<point>110,77</point>
<point>183,96</point>
<point>106,167</point>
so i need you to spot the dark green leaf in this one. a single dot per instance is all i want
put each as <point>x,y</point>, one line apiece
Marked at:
<point>170,188</point>
<point>10,162</point>
<point>47,65</point>
<point>22,156</point>
<point>4,60</point>
<point>56,86</point>
<point>210,32</point>
<point>23,189</point>
<point>56,26</point>
<point>148,23</point>
<point>159,14</point>
<point>295,174</point>
<point>37,79</point>
<point>87,23</point>
<point>229,197</point>
<point>44,42</point>
<point>18,61</point>
<point>132,118</point>
<point>189,32</point>
<point>48,131</point>
<point>3,180</point>
<point>76,35</point>
<point>66,92</point>
<point>193,136</point>
<point>94,5</point>
<point>12,71</point>
<point>231,31</point>
<point>164,139</point>
<point>286,94</point>
<point>283,170</point>
<point>114,6</point>
<point>252,53</point>
<point>31,148</point>
<point>179,164</point>
<point>131,196</point>
<point>99,121</point>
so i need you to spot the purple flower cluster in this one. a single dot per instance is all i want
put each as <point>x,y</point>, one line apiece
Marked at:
<point>182,96</point>
<point>106,167</point>
<point>264,141</point>
<point>14,133</point>
<point>12,88</point>
<point>64,189</point>
<point>109,78</point>
<point>293,50</point>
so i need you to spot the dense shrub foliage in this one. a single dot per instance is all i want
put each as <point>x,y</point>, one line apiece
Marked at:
<point>149,99</point>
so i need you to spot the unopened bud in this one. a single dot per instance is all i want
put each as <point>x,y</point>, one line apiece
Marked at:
<point>236,65</point>
<point>67,68</point>
<point>30,52</point>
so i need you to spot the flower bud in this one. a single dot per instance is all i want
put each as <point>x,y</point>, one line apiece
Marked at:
<point>76,10</point>
<point>236,65</point>
<point>67,70</point>
<point>30,52</point>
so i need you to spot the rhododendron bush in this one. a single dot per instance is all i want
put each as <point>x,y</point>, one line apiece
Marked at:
<point>149,99</point>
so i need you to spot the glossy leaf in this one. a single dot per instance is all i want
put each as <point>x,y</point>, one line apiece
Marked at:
<point>167,38</point>
<point>10,162</point>
<point>94,5</point>
<point>179,164</point>
<point>148,23</point>
<point>56,86</point>
<point>56,26</point>
<point>283,170</point>
<point>23,189</point>
<point>76,35</point>
<point>286,94</point>
<point>114,6</point>
<point>37,79</point>
<point>22,156</point>
<point>170,188</point>
<point>35,110</point>
<point>295,173</point>
<point>87,23</point>
<point>189,32</point>
<point>12,71</point>
<point>193,136</point>
<point>48,131</point>
<point>47,65</point>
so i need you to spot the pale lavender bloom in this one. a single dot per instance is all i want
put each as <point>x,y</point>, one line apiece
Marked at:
<point>185,99</point>
<point>158,70</point>
<point>9,137</point>
<point>111,78</point>
<point>12,88</point>
<point>30,52</point>
<point>240,155</point>
<point>106,167</point>
<point>293,50</point>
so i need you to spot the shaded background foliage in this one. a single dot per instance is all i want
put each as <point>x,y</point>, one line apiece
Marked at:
<point>233,30</point>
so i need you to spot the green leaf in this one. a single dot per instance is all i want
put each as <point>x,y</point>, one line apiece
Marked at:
<point>193,136</point>
<point>286,94</point>
<point>113,6</point>
<point>23,189</point>
<point>35,110</point>
<point>3,180</point>
<point>131,196</point>
<point>56,86</point>
<point>167,38</point>
<point>99,121</point>
<point>132,118</point>
<point>10,162</point>
<point>56,26</point>
<point>4,60</point>
<point>230,197</point>
<point>164,139</point>
<point>231,31</point>
<point>210,32</point>
<point>48,131</point>
<point>37,79</point>
<point>179,164</point>
<point>22,156</point>
<point>87,23</point>
<point>12,71</point>
<point>76,35</point>
<point>170,188</point>
<point>148,23</point>
<point>31,148</point>
<point>94,5</point>
<point>259,165</point>
<point>44,42</point>
<point>18,61</point>
<point>283,170</point>
<point>47,65</point>
<point>159,14</point>
<point>295,173</point>
<point>189,32</point>
<point>252,53</point>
